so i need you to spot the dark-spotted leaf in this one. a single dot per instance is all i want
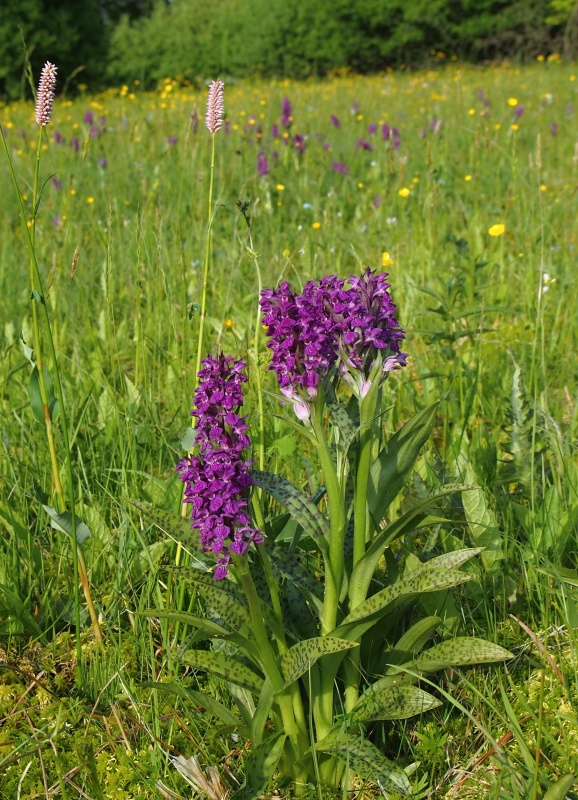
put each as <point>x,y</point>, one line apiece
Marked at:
<point>393,702</point>
<point>459,652</point>
<point>301,508</point>
<point>224,597</point>
<point>365,759</point>
<point>194,697</point>
<point>224,667</point>
<point>301,657</point>
<point>260,767</point>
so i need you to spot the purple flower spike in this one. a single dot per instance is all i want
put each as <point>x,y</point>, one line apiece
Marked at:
<point>377,201</point>
<point>518,111</point>
<point>57,137</point>
<point>56,183</point>
<point>299,143</point>
<point>385,130</point>
<point>335,121</point>
<point>217,478</point>
<point>102,162</point>
<point>286,113</point>
<point>554,128</point>
<point>275,131</point>
<point>75,144</point>
<point>331,325</point>
<point>89,117</point>
<point>262,164</point>
<point>372,129</point>
<point>363,144</point>
<point>339,166</point>
<point>171,141</point>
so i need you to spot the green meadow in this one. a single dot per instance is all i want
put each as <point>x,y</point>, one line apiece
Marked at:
<point>462,184</point>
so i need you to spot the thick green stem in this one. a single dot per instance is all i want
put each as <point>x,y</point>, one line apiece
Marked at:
<point>298,738</point>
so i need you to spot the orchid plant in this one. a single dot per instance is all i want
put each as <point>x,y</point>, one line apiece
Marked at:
<point>308,592</point>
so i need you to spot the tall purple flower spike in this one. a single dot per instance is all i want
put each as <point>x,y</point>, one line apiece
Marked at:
<point>217,478</point>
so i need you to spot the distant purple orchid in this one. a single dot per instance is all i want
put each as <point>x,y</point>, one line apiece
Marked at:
<point>518,111</point>
<point>286,113</point>
<point>554,128</point>
<point>171,141</point>
<point>372,129</point>
<point>339,166</point>
<point>262,164</point>
<point>299,142</point>
<point>102,162</point>
<point>335,121</point>
<point>363,144</point>
<point>56,183</point>
<point>385,130</point>
<point>75,144</point>
<point>377,202</point>
<point>57,137</point>
<point>94,132</point>
<point>88,117</point>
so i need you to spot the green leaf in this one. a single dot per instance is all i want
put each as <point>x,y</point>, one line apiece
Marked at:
<point>414,518</point>
<point>195,697</point>
<point>262,710</point>
<point>63,522</point>
<point>424,580</point>
<point>393,702</point>
<point>223,596</point>
<point>560,789</point>
<point>224,667</point>
<point>260,767</point>
<point>301,657</point>
<point>366,760</point>
<point>391,467</point>
<point>177,527</point>
<point>289,565</point>
<point>342,422</point>
<point>301,508</point>
<point>207,626</point>
<point>36,403</point>
<point>410,643</point>
<point>482,521</point>
<point>459,652</point>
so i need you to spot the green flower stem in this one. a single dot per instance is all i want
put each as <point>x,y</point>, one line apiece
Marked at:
<point>267,657</point>
<point>207,262</point>
<point>79,567</point>
<point>334,580</point>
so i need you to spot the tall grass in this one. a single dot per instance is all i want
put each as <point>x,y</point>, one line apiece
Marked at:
<point>492,329</point>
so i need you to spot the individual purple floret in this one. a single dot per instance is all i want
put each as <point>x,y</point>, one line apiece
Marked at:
<point>217,478</point>
<point>331,324</point>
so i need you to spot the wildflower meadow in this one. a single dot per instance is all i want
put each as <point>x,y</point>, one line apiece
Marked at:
<point>289,496</point>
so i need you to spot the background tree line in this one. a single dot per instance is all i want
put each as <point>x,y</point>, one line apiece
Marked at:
<point>104,42</point>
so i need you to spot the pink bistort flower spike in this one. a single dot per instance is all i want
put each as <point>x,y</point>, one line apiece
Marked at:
<point>45,98</point>
<point>215,107</point>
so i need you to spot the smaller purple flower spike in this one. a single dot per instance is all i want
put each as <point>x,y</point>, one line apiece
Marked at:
<point>377,202</point>
<point>286,113</point>
<point>262,164</point>
<point>171,141</point>
<point>363,144</point>
<point>372,129</point>
<point>102,162</point>
<point>299,143</point>
<point>57,137</point>
<point>518,111</point>
<point>217,478</point>
<point>554,128</point>
<point>89,117</point>
<point>335,121</point>
<point>339,166</point>
<point>75,144</point>
<point>385,131</point>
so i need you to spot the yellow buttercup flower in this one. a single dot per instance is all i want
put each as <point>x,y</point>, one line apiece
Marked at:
<point>316,226</point>
<point>512,102</point>
<point>404,192</point>
<point>497,230</point>
<point>386,260</point>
